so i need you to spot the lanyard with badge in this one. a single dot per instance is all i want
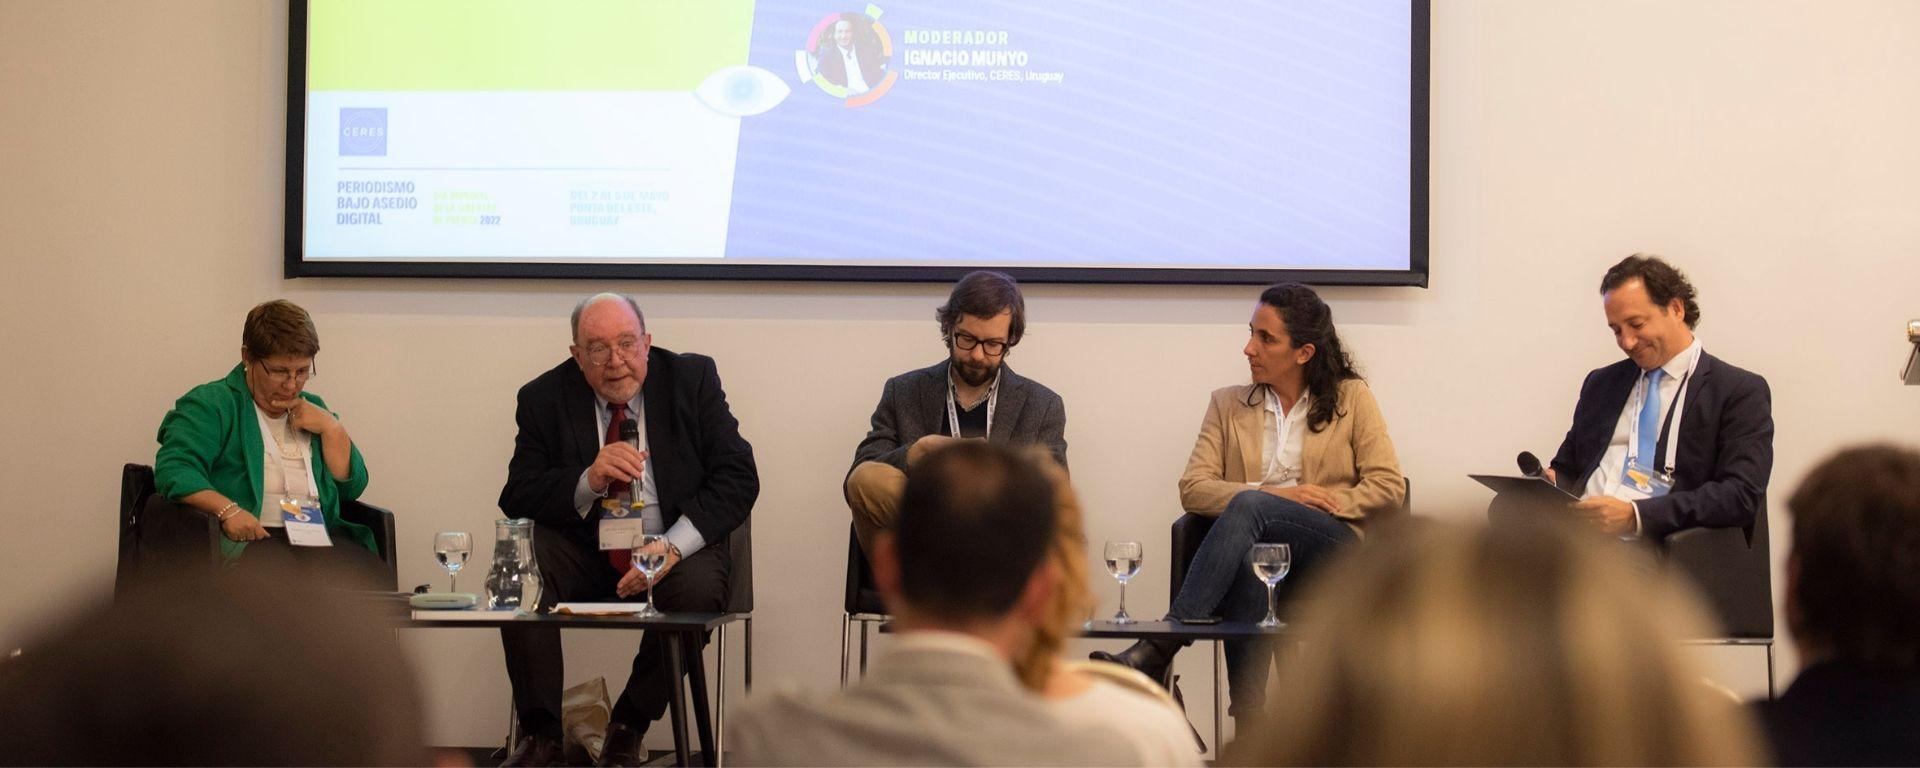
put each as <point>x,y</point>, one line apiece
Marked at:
<point>953,411</point>
<point>1639,480</point>
<point>621,521</point>
<point>299,513</point>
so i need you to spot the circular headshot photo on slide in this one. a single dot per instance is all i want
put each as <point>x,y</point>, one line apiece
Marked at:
<point>849,56</point>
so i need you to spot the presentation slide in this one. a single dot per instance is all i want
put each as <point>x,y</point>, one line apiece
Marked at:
<point>915,133</point>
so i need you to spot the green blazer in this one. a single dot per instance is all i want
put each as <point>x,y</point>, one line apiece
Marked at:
<point>211,440</point>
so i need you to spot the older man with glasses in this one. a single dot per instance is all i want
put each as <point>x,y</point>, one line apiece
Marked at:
<point>622,438</point>
<point>972,394</point>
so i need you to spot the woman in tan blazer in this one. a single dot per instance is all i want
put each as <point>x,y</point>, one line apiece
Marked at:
<point>1300,456</point>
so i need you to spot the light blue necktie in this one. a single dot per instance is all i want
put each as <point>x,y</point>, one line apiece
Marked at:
<point>1650,420</point>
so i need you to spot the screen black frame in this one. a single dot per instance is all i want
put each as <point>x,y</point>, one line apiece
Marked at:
<point>297,266</point>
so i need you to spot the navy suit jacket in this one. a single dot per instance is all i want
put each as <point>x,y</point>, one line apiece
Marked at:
<point>703,469</point>
<point>1725,454</point>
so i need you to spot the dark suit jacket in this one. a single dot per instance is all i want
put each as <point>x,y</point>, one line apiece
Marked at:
<point>1836,714</point>
<point>1725,454</point>
<point>914,405</point>
<point>833,66</point>
<point>703,469</point>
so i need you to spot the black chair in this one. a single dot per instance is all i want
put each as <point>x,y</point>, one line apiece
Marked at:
<point>863,606</point>
<point>740,603</point>
<point>156,532</point>
<point>1733,568</point>
<point>1191,529</point>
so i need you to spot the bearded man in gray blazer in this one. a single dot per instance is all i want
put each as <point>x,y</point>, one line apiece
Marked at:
<point>972,394</point>
<point>966,575</point>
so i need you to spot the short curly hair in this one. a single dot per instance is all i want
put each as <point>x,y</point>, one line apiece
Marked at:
<point>1664,282</point>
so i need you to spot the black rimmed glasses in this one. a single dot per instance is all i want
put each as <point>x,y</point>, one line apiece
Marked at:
<point>993,347</point>
<point>601,354</point>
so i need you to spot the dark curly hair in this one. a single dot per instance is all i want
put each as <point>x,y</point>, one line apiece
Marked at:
<point>984,294</point>
<point>1310,321</point>
<point>1664,282</point>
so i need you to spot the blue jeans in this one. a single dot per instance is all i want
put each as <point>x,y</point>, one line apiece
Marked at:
<point>1220,580</point>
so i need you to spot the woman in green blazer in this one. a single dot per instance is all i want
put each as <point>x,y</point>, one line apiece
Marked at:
<point>215,455</point>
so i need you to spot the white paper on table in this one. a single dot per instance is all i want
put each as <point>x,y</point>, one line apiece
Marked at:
<point>600,609</point>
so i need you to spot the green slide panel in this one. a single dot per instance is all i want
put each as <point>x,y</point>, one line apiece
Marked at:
<point>518,45</point>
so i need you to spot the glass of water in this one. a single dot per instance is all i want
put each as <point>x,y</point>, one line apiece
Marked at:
<point>451,549</point>
<point>1123,561</point>
<point>1270,565</point>
<point>650,555</point>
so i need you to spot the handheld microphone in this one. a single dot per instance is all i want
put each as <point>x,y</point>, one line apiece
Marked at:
<point>630,434</point>
<point>1530,465</point>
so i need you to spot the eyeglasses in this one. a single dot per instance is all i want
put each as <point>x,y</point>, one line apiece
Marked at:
<point>282,375</point>
<point>601,354</point>
<point>993,347</point>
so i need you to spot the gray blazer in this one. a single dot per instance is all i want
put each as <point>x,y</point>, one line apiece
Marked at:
<point>913,405</point>
<point>920,707</point>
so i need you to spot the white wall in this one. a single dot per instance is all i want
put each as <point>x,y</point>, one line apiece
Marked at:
<point>1766,147</point>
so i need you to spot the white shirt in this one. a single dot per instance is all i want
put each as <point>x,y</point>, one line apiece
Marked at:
<point>683,535</point>
<point>856,80</point>
<point>1605,481</point>
<point>275,475</point>
<point>1157,732</point>
<point>1281,441</point>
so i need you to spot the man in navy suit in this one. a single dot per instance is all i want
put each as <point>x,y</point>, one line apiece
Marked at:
<point>1672,437</point>
<point>575,473</point>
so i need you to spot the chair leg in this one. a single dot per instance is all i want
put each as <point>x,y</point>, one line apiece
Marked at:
<point>719,757</point>
<point>749,654</point>
<point>1770,684</point>
<point>863,650</point>
<point>846,623</point>
<point>1219,730</point>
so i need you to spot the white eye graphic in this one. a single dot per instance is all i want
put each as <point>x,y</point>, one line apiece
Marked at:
<point>742,90</point>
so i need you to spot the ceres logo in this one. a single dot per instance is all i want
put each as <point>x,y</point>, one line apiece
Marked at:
<point>363,131</point>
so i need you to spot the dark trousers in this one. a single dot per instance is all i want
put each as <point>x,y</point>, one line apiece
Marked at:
<point>570,572</point>
<point>346,564</point>
<point>1220,579</point>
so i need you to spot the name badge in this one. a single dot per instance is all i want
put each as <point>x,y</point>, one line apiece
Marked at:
<point>621,525</point>
<point>1639,481</point>
<point>305,525</point>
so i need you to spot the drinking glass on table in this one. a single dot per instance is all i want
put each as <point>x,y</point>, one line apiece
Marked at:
<point>1270,564</point>
<point>650,555</point>
<point>451,549</point>
<point>1123,561</point>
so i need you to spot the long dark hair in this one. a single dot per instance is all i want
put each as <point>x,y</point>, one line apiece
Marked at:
<point>1310,321</point>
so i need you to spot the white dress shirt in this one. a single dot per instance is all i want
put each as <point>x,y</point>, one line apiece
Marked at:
<point>683,534</point>
<point>1605,481</point>
<point>1281,439</point>
<point>856,80</point>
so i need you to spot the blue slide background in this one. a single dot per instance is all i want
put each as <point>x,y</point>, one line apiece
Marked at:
<point>1269,135</point>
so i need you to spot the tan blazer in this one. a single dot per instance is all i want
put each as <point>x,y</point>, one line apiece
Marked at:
<point>1351,456</point>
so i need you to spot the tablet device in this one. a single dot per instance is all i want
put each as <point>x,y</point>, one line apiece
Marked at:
<point>1531,490</point>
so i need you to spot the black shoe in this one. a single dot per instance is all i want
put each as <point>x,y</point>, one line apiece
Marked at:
<point>1155,660</point>
<point>622,747</point>
<point>534,749</point>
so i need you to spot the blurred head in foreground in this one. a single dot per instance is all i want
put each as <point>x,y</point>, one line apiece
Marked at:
<point>1443,645</point>
<point>1853,577</point>
<point>215,671</point>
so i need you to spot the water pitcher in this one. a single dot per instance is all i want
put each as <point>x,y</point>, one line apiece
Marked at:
<point>514,582</point>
